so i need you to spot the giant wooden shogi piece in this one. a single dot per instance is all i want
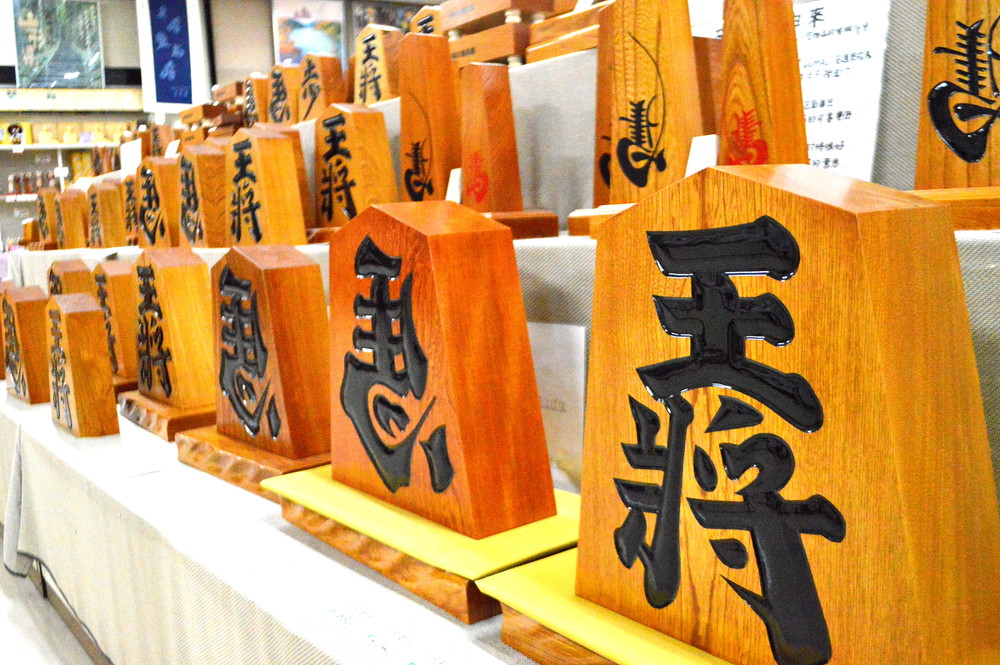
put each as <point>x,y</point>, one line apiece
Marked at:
<point>256,105</point>
<point>25,353</point>
<point>115,288</point>
<point>427,21</point>
<point>283,99</point>
<point>203,219</point>
<point>174,344</point>
<point>491,177</point>
<point>353,163</point>
<point>768,405</point>
<point>130,208</point>
<point>158,182</point>
<point>376,72</point>
<point>69,276</point>
<point>437,442</point>
<point>81,388</point>
<point>263,193</point>
<point>430,143</point>
<point>107,219</point>
<point>72,219</point>
<point>46,217</point>
<point>761,115</point>
<point>272,363</point>
<point>322,83</point>
<point>956,140</point>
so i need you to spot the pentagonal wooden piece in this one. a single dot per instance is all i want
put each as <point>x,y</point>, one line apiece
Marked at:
<point>427,21</point>
<point>353,163</point>
<point>491,180</point>
<point>203,196</point>
<point>429,345</point>
<point>762,121</point>
<point>82,392</point>
<point>158,182</point>
<point>257,100</point>
<point>160,137</point>
<point>972,208</point>
<point>263,199</point>
<point>429,142</point>
<point>283,98</point>
<point>29,232</point>
<point>322,84</point>
<point>193,136</point>
<point>376,70</point>
<point>787,338</point>
<point>130,207</point>
<point>72,219</point>
<point>708,61</point>
<point>47,214</point>
<point>174,328</point>
<point>115,287</point>
<point>25,353</point>
<point>70,276</point>
<point>957,139</point>
<point>272,350</point>
<point>654,97</point>
<point>111,214</point>
<point>304,189</point>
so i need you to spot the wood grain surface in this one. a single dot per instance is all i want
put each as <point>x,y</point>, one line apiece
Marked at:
<point>529,223</point>
<point>543,645</point>
<point>427,21</point>
<point>70,276</point>
<point>257,100</point>
<point>72,219</point>
<point>158,201</point>
<point>25,351</point>
<point>283,98</point>
<point>162,419</point>
<point>581,40</point>
<point>376,65</point>
<point>605,83</point>
<point>111,213</point>
<point>46,214</point>
<point>116,287</point>
<point>160,137</point>
<point>321,84</point>
<point>129,192</point>
<point>564,24</point>
<point>495,44</point>
<point>203,220</point>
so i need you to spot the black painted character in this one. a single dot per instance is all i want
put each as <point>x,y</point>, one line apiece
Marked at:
<point>12,353</point>
<point>60,226</point>
<point>60,389</point>
<point>244,202</point>
<point>152,217</point>
<point>55,283</point>
<point>43,218</point>
<point>417,178</point>
<point>243,368</point>
<point>96,237</point>
<point>153,358</point>
<point>335,181</point>
<point>310,86</point>
<point>718,321</point>
<point>387,420</point>
<point>425,25</point>
<point>640,150</point>
<point>280,111</point>
<point>101,280</point>
<point>190,217</point>
<point>131,217</point>
<point>250,114</point>
<point>370,75</point>
<point>974,77</point>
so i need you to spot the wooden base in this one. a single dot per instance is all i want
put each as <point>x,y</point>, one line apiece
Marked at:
<point>542,644</point>
<point>581,40</point>
<point>529,223</point>
<point>124,385</point>
<point>161,419</point>
<point>235,462</point>
<point>456,595</point>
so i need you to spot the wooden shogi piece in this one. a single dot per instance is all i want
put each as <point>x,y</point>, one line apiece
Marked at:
<point>655,110</point>
<point>467,391</point>
<point>25,353</point>
<point>353,163</point>
<point>462,17</point>
<point>429,140</point>
<point>257,102</point>
<point>158,185</point>
<point>47,217</point>
<point>505,44</point>
<point>115,287</point>
<point>761,116</point>
<point>69,276</point>
<point>145,137</point>
<point>972,208</point>
<point>491,180</point>
<point>263,195</point>
<point>72,219</point>
<point>95,236</point>
<point>283,98</point>
<point>160,137</point>
<point>349,78</point>
<point>111,215</point>
<point>298,154</point>
<point>82,392</point>
<point>29,232</point>
<point>815,512</point>
<point>427,21</point>
<point>174,344</point>
<point>272,360</point>
<point>708,60</point>
<point>193,136</point>
<point>230,93</point>
<point>322,83</point>
<point>376,70</point>
<point>960,80</point>
<point>130,208</point>
<point>203,219</point>
<point>196,115</point>
<point>4,287</point>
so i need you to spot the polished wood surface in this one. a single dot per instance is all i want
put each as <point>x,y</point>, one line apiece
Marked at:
<point>653,97</point>
<point>454,594</point>
<point>972,208</point>
<point>542,644</point>
<point>605,84</point>
<point>476,378</point>
<point>128,190</point>
<point>581,40</point>
<point>304,186</point>
<point>427,21</point>
<point>25,352</point>
<point>29,232</point>
<point>321,84</point>
<point>263,199</point>
<point>497,44</point>
<point>158,197</point>
<point>256,105</point>
<point>82,391</point>
<point>69,276</point>
<point>376,68</point>
<point>115,287</point>
<point>46,214</point>
<point>429,143</point>
<point>879,324</point>
<point>283,98</point>
<point>199,113</point>
<point>111,213</point>
<point>204,218</point>
<point>761,117</point>
<point>564,24</point>
<point>353,163</point>
<point>528,223</point>
<point>163,420</point>
<point>958,34</point>
<point>491,180</point>
<point>72,219</point>
<point>708,61</point>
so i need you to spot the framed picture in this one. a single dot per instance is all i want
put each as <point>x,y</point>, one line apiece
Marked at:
<point>307,26</point>
<point>58,44</point>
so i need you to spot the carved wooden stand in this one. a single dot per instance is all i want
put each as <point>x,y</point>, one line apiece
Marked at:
<point>163,420</point>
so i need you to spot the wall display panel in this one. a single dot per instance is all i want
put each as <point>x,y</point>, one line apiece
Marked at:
<point>58,44</point>
<point>173,54</point>
<point>307,26</point>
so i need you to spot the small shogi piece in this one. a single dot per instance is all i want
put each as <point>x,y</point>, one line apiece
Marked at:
<point>257,101</point>
<point>46,216</point>
<point>69,276</point>
<point>72,219</point>
<point>160,137</point>
<point>376,74</point>
<point>82,391</point>
<point>203,195</point>
<point>130,208</point>
<point>111,214</point>
<point>283,99</point>
<point>158,183</point>
<point>322,84</point>
<point>115,287</point>
<point>25,352</point>
<point>195,115</point>
<point>29,232</point>
<point>230,93</point>
<point>427,21</point>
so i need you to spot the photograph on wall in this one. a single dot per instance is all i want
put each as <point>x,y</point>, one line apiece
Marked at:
<point>307,26</point>
<point>58,44</point>
<point>394,14</point>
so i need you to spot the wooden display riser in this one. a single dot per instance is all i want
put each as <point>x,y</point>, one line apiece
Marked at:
<point>163,420</point>
<point>124,385</point>
<point>235,462</point>
<point>529,223</point>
